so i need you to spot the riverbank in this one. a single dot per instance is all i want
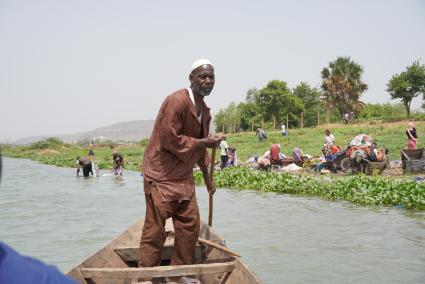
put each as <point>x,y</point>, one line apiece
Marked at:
<point>373,190</point>
<point>390,136</point>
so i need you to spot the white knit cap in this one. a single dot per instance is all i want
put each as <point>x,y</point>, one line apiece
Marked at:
<point>200,62</point>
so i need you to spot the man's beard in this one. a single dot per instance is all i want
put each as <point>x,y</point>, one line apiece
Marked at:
<point>205,92</point>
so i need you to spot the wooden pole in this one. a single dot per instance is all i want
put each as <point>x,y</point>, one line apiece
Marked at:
<point>210,196</point>
<point>287,122</point>
<point>302,119</point>
<point>171,233</point>
<point>327,114</point>
<point>217,246</point>
<point>318,118</point>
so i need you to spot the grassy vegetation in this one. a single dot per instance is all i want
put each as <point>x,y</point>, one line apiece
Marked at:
<point>387,135</point>
<point>359,189</point>
<point>366,190</point>
<point>61,154</point>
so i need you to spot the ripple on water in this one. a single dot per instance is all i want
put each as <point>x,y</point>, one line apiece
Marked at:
<point>49,213</point>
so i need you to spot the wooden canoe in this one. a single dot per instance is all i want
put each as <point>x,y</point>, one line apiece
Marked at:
<point>117,261</point>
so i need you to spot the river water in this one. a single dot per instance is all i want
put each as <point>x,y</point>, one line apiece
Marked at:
<point>49,213</point>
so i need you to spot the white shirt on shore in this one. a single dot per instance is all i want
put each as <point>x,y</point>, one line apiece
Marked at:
<point>223,148</point>
<point>330,139</point>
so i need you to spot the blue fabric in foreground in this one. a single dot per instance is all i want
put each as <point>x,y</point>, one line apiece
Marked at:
<point>19,269</point>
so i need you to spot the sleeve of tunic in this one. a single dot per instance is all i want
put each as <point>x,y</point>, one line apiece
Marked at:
<point>204,161</point>
<point>172,137</point>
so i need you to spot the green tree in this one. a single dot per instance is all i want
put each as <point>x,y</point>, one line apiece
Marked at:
<point>311,99</point>
<point>382,111</point>
<point>228,119</point>
<point>252,95</point>
<point>275,100</point>
<point>343,85</point>
<point>408,85</point>
<point>219,121</point>
<point>249,115</point>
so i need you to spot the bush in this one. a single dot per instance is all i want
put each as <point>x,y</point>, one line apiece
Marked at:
<point>144,142</point>
<point>387,112</point>
<point>52,142</point>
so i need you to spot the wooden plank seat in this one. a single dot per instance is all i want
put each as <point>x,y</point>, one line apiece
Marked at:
<point>130,254</point>
<point>158,271</point>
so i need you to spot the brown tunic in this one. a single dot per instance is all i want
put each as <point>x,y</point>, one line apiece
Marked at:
<point>174,147</point>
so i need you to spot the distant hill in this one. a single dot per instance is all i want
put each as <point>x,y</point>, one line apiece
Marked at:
<point>130,131</point>
<point>123,131</point>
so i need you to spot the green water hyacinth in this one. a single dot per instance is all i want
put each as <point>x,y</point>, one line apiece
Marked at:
<point>361,189</point>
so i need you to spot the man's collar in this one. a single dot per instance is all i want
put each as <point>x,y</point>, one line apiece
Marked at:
<point>192,98</point>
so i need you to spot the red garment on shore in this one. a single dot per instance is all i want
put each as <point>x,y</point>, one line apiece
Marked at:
<point>274,152</point>
<point>411,144</point>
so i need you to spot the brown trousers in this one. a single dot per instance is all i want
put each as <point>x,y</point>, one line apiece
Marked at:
<point>186,221</point>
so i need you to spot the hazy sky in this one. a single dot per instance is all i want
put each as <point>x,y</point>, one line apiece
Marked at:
<point>71,66</point>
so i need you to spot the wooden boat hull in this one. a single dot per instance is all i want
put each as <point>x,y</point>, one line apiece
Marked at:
<point>117,262</point>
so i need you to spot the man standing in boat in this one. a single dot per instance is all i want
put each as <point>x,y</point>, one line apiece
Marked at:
<point>179,141</point>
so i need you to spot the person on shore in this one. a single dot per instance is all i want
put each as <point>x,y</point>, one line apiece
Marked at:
<point>352,117</point>
<point>262,136</point>
<point>283,130</point>
<point>346,118</point>
<point>275,154</point>
<point>329,148</point>
<point>233,157</point>
<point>91,153</point>
<point>18,269</point>
<point>263,162</point>
<point>298,156</point>
<point>329,138</point>
<point>411,136</point>
<point>179,140</point>
<point>86,164</point>
<point>118,163</point>
<point>224,152</point>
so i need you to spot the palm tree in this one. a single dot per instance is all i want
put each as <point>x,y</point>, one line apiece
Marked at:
<point>343,85</point>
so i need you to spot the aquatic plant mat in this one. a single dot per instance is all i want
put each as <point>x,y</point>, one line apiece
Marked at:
<point>362,189</point>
